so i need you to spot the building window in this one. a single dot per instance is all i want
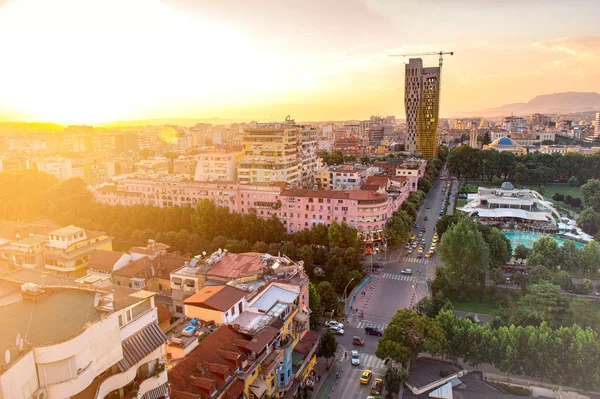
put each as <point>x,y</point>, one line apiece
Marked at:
<point>178,309</point>
<point>240,307</point>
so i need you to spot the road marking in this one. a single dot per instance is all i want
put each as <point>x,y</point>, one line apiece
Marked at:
<point>401,277</point>
<point>410,259</point>
<point>364,323</point>
<point>371,362</point>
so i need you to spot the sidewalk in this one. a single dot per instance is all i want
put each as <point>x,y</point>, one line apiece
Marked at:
<point>360,302</point>
<point>328,382</point>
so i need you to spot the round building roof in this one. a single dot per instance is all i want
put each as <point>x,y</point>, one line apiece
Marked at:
<point>504,141</point>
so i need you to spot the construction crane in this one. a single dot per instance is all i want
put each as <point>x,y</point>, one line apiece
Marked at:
<point>440,53</point>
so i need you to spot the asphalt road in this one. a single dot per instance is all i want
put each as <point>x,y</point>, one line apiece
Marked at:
<point>383,295</point>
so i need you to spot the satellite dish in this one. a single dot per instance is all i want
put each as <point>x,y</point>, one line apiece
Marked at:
<point>203,253</point>
<point>18,339</point>
<point>7,356</point>
<point>21,344</point>
<point>96,300</point>
<point>220,251</point>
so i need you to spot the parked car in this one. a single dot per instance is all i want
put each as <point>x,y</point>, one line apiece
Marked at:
<point>376,387</point>
<point>425,218</point>
<point>355,359</point>
<point>409,251</point>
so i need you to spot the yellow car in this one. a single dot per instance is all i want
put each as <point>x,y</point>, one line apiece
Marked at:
<point>412,238</point>
<point>434,245</point>
<point>420,250</point>
<point>376,387</point>
<point>435,239</point>
<point>366,377</point>
<point>429,254</point>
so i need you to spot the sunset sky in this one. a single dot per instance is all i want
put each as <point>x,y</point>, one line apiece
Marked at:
<point>85,61</point>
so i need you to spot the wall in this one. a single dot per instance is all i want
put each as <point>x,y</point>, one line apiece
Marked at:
<point>204,314</point>
<point>20,380</point>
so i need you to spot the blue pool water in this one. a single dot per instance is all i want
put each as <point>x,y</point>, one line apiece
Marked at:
<point>528,239</point>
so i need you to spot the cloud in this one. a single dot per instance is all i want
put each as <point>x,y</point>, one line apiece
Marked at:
<point>583,46</point>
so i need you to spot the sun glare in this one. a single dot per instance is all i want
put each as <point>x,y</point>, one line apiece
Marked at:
<point>80,61</point>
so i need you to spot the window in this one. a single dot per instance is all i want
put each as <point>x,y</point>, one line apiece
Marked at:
<point>345,208</point>
<point>240,307</point>
<point>178,309</point>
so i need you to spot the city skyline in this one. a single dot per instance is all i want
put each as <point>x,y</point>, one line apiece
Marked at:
<point>97,62</point>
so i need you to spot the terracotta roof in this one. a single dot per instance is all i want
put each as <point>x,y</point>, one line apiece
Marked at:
<point>378,180</point>
<point>350,194</point>
<point>220,297</point>
<point>164,314</point>
<point>237,265</point>
<point>235,390</point>
<point>9,229</point>
<point>105,260</point>
<point>366,195</point>
<point>160,266</point>
<point>306,342</point>
<point>261,340</point>
<point>370,187</point>
<point>208,366</point>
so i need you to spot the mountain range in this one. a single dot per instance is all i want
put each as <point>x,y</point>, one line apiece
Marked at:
<point>556,103</point>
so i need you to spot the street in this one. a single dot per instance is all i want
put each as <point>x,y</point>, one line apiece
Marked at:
<point>379,300</point>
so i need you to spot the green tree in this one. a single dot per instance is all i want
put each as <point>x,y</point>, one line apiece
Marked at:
<point>394,380</point>
<point>569,255</point>
<point>591,194</point>
<point>521,252</point>
<point>305,254</point>
<point>497,275</point>
<point>543,302</point>
<point>424,184</point>
<point>537,273</point>
<point>466,255</point>
<point>409,334</point>
<point>398,227</point>
<point>589,258</point>
<point>563,280</point>
<point>289,249</point>
<point>545,253</point>
<point>274,248</point>
<point>497,181</point>
<point>582,313</point>
<point>321,256</point>
<point>260,247</point>
<point>521,280</point>
<point>314,302</point>
<point>589,220</point>
<point>445,222</point>
<point>573,181</point>
<point>499,245</point>
<point>586,286</point>
<point>521,173</point>
<point>328,297</point>
<point>334,234</point>
<point>69,200</point>
<point>327,346</point>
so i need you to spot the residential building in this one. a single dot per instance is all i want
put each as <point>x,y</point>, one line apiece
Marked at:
<point>69,249</point>
<point>217,304</point>
<point>186,281</point>
<point>25,253</point>
<point>271,155</point>
<point>150,166</point>
<point>421,102</point>
<point>185,166</point>
<point>105,262</point>
<point>215,166</point>
<point>553,149</point>
<point>107,344</point>
<point>13,164</point>
<point>59,167</point>
<point>514,124</point>
<point>412,169</point>
<point>350,146</point>
<point>307,155</point>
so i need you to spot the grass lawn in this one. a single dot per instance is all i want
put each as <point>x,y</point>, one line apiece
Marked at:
<point>487,306</point>
<point>460,202</point>
<point>561,188</point>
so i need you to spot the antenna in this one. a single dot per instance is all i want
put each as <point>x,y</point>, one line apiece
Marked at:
<point>7,356</point>
<point>96,300</point>
<point>21,344</point>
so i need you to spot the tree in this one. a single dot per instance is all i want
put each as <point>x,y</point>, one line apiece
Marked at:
<point>393,380</point>
<point>409,334</point>
<point>582,313</point>
<point>521,252</point>
<point>334,234</point>
<point>305,254</point>
<point>543,302</point>
<point>289,249</point>
<point>499,245</point>
<point>586,286</point>
<point>497,275</point>
<point>328,297</point>
<point>589,220</point>
<point>466,255</point>
<point>497,181</point>
<point>445,222</point>
<point>569,256</point>
<point>573,181</point>
<point>545,253</point>
<point>314,302</point>
<point>398,227</point>
<point>591,194</point>
<point>424,184</point>
<point>521,280</point>
<point>589,258</point>
<point>563,280</point>
<point>431,307</point>
<point>538,273</point>
<point>260,247</point>
<point>521,173</point>
<point>327,346</point>
<point>321,256</point>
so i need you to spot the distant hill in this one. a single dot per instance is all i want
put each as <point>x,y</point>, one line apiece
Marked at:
<point>557,103</point>
<point>20,127</point>
<point>171,121</point>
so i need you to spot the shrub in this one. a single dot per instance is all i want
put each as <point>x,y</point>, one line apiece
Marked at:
<point>576,202</point>
<point>513,389</point>
<point>558,197</point>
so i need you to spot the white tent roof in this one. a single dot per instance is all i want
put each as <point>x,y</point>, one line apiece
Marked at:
<point>507,213</point>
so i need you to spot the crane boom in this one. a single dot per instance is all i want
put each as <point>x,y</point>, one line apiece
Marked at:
<point>440,53</point>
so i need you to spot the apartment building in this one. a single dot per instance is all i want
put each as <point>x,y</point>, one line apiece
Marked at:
<point>60,167</point>
<point>185,166</point>
<point>151,166</point>
<point>25,253</point>
<point>107,343</point>
<point>412,169</point>
<point>69,249</point>
<point>350,146</point>
<point>216,166</point>
<point>307,155</point>
<point>271,155</point>
<point>343,177</point>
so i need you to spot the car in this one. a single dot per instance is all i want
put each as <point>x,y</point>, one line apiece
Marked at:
<point>415,244</point>
<point>420,255</point>
<point>376,387</point>
<point>334,323</point>
<point>354,358</point>
<point>407,246</point>
<point>366,377</point>
<point>406,271</point>
<point>425,218</point>
<point>412,237</point>
<point>356,340</point>
<point>428,207</point>
<point>420,235</point>
<point>420,249</point>
<point>337,330</point>
<point>429,254</point>
<point>373,331</point>
<point>435,238</point>
<point>416,225</point>
<point>409,251</point>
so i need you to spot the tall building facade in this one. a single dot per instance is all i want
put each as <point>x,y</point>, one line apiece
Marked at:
<point>270,155</point>
<point>421,102</point>
<point>473,137</point>
<point>597,128</point>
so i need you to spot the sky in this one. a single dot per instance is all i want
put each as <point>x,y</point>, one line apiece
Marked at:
<point>96,61</point>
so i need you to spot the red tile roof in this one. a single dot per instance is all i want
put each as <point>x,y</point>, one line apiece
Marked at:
<point>237,265</point>
<point>378,180</point>
<point>221,297</point>
<point>164,314</point>
<point>104,260</point>
<point>306,342</point>
<point>208,366</point>
<point>350,194</point>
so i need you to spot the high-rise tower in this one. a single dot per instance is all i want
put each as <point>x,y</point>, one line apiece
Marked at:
<point>421,102</point>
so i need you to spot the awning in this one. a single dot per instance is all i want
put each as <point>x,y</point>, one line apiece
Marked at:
<point>443,392</point>
<point>258,387</point>
<point>301,317</point>
<point>162,392</point>
<point>141,344</point>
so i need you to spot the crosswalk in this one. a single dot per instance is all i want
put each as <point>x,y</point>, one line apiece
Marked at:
<point>364,323</point>
<point>411,259</point>
<point>370,362</point>
<point>401,277</point>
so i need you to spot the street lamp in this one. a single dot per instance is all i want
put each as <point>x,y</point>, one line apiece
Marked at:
<point>345,297</point>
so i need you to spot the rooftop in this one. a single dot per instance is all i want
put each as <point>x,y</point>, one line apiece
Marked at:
<point>66,231</point>
<point>350,194</point>
<point>161,266</point>
<point>36,320</point>
<point>220,298</point>
<point>32,240</point>
<point>274,295</point>
<point>14,230</point>
<point>125,296</point>
<point>233,266</point>
<point>427,371</point>
<point>104,260</point>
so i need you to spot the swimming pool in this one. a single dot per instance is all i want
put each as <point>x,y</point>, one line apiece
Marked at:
<point>528,239</point>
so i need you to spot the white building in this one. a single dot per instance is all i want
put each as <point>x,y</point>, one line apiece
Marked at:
<point>95,347</point>
<point>216,165</point>
<point>59,167</point>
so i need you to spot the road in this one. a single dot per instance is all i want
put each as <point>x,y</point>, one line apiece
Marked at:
<point>379,300</point>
